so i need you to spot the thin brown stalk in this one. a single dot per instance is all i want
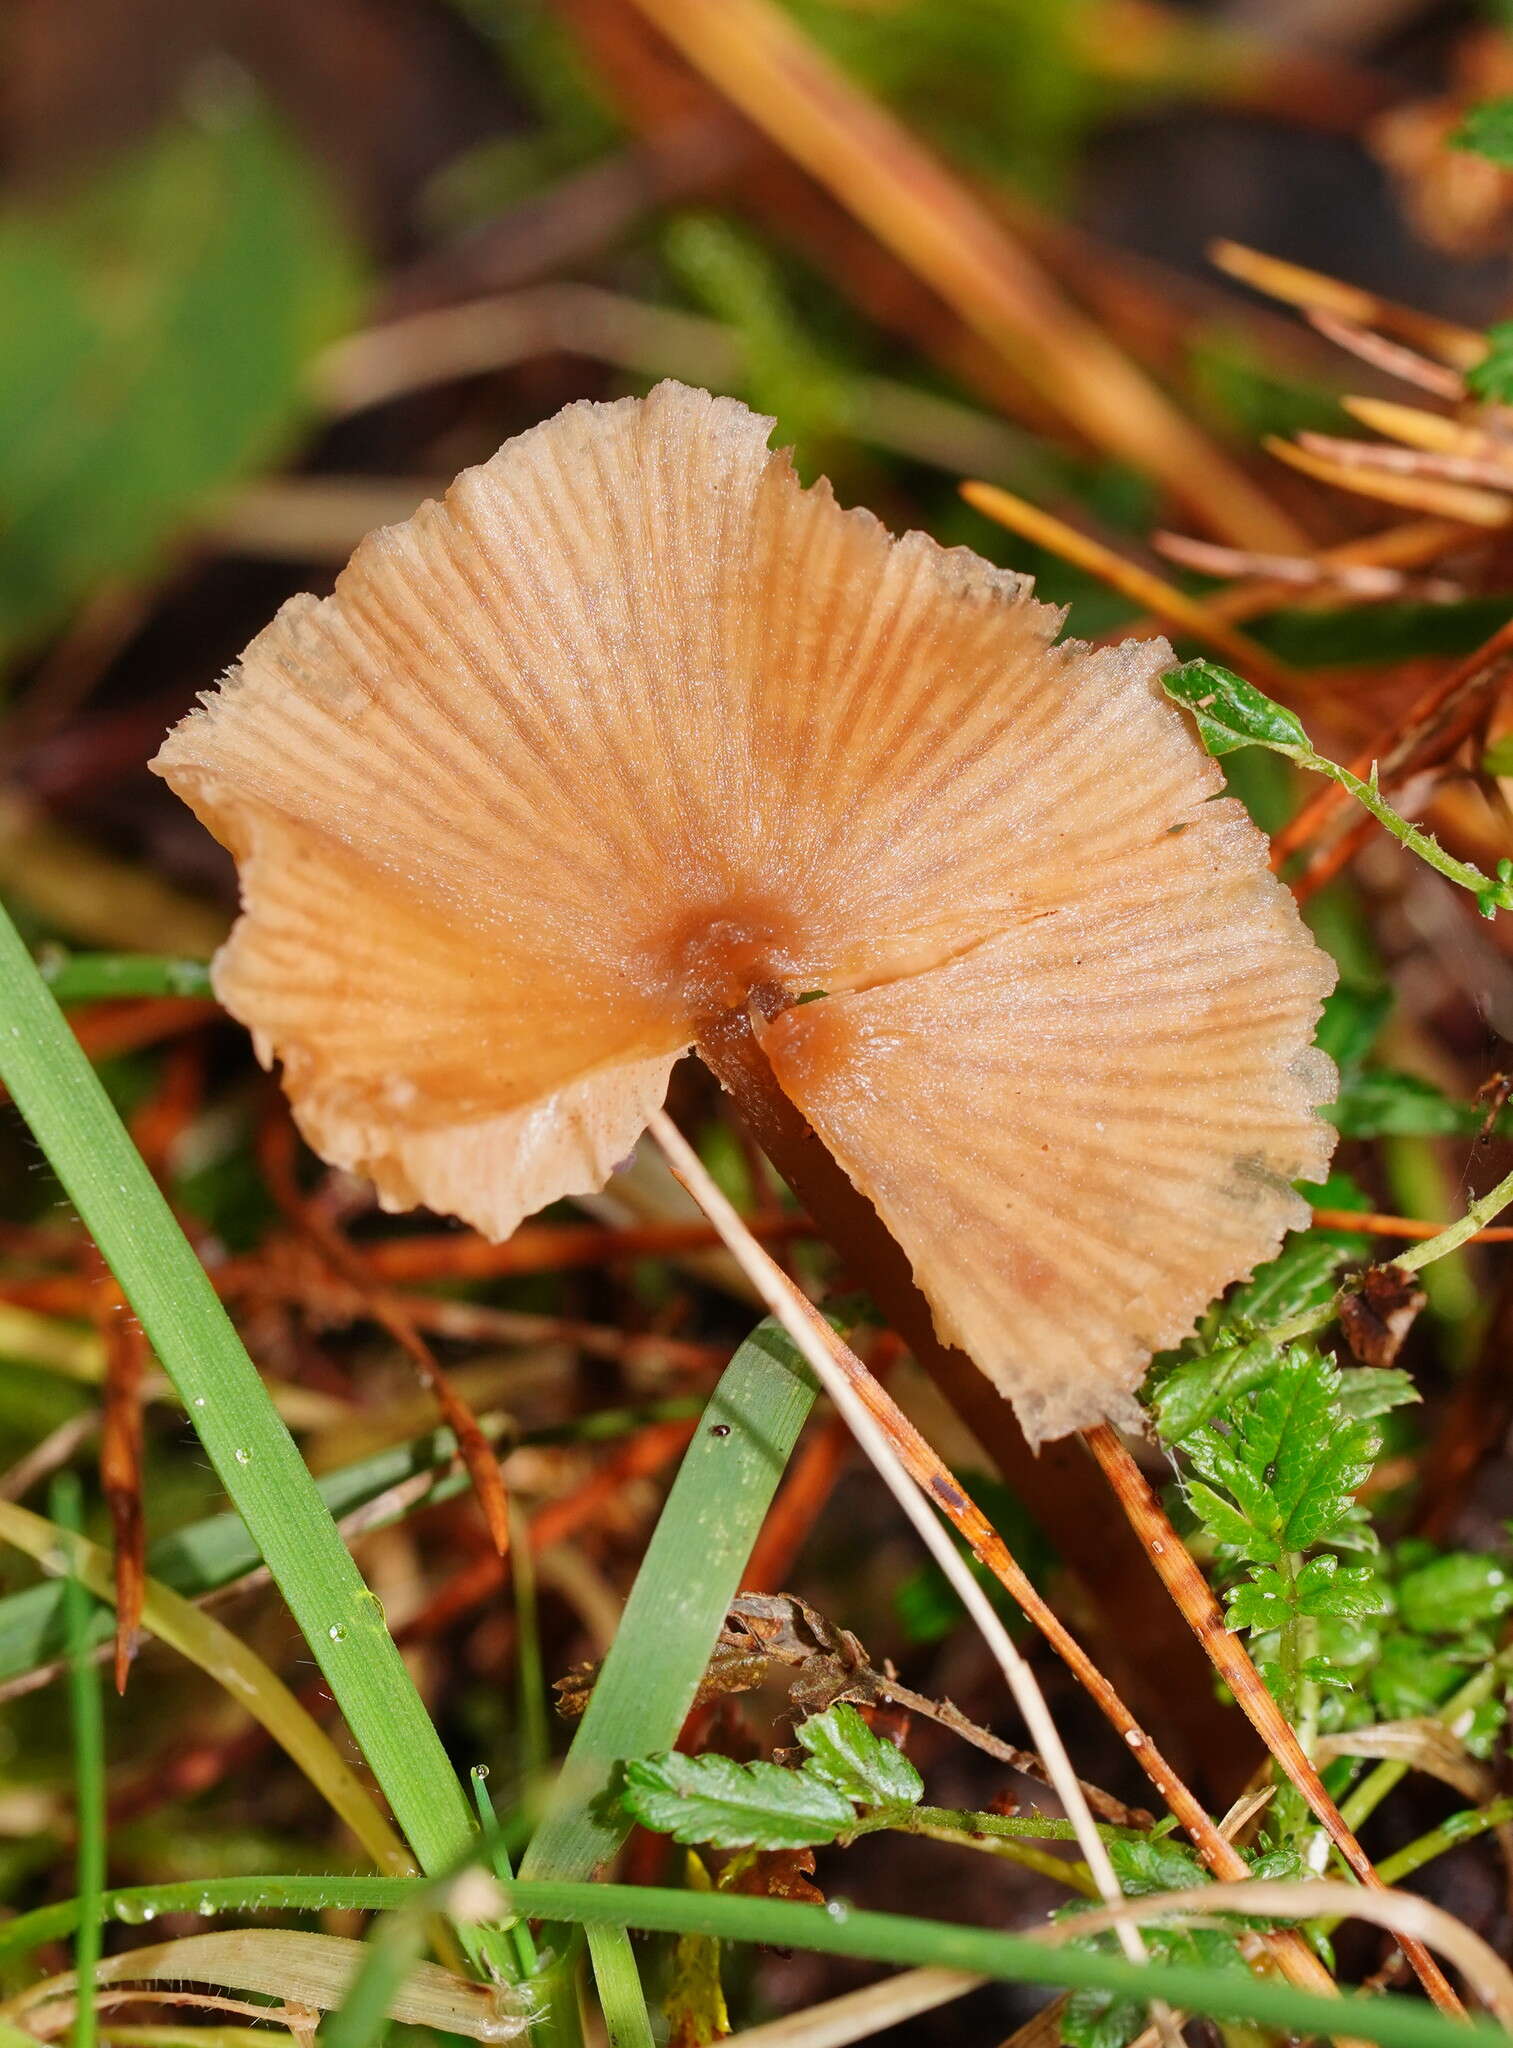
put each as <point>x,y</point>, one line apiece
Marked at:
<point>1402,1226</point>
<point>1194,1596</point>
<point>126,1354</point>
<point>1450,467</point>
<point>1052,1483</point>
<point>1302,572</point>
<point>1408,546</point>
<point>1315,292</point>
<point>1421,429</point>
<point>1397,360</point>
<point>1468,503</point>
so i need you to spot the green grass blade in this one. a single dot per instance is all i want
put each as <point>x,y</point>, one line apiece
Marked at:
<point>88,1720</point>
<point>682,1593</point>
<point>61,1098</point>
<point>667,1633</point>
<point>901,1940</point>
<point>96,977</point>
<point>618,1983</point>
<point>362,2018</point>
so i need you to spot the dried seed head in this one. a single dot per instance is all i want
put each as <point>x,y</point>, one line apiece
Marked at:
<point>633,727</point>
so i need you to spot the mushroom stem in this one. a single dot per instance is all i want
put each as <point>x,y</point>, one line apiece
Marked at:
<point>1108,1561</point>
<point>1193,1595</point>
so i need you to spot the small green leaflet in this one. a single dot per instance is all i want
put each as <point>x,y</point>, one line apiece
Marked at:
<point>1487,131</point>
<point>1196,1388</point>
<point>844,1752</point>
<point>1232,713</point>
<point>715,1801</point>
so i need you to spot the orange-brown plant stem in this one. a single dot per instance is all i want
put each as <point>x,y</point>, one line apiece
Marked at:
<point>1106,1559</point>
<point>1402,1226</point>
<point>1232,1661</point>
<point>276,1154</point>
<point>125,1347</point>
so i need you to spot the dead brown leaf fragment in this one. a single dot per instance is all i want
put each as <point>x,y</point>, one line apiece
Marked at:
<point>633,732</point>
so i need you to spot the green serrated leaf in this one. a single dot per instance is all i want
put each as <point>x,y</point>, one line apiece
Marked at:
<point>1292,1432</point>
<point>1261,1604</point>
<point>1350,1026</point>
<point>1326,1587</point>
<point>1381,1103</point>
<point>714,1800</point>
<point>849,1757</point>
<point>1367,1390</point>
<point>1225,1524</point>
<point>1487,131</point>
<point>1326,1671</point>
<point>1232,713</point>
<point>1198,1388</point>
<point>1146,1866</point>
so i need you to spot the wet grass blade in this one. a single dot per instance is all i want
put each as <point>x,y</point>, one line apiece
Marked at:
<point>898,1939</point>
<point>88,1722</point>
<point>254,1456</point>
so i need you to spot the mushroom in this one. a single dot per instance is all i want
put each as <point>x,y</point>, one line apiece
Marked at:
<point>632,734</point>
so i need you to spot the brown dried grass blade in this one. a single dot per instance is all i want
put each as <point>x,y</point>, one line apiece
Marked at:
<point>1411,1227</point>
<point>1494,471</point>
<point>125,1348</point>
<point>1413,1920</point>
<point>764,64</point>
<point>1295,572</point>
<point>1316,292</point>
<point>1421,429</point>
<point>276,1156</point>
<point>1193,1595</point>
<point>1470,506</point>
<point>1393,358</point>
<point>1172,606</point>
<point>1409,546</point>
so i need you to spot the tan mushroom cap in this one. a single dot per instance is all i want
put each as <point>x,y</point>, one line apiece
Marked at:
<point>632,725</point>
